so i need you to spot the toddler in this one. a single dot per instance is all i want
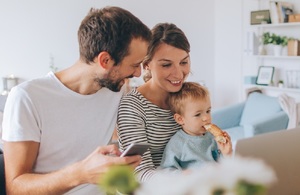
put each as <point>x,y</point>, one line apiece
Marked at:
<point>192,146</point>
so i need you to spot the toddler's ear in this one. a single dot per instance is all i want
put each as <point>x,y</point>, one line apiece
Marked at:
<point>179,119</point>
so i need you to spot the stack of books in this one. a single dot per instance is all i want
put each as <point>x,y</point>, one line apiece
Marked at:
<point>280,11</point>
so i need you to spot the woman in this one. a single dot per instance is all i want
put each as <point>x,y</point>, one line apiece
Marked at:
<point>144,115</point>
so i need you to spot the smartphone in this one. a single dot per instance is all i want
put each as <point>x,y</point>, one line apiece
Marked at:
<point>135,149</point>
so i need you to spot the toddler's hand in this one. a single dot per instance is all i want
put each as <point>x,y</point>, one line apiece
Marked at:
<point>225,148</point>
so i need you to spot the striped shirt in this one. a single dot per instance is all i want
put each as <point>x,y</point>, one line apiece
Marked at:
<point>141,121</point>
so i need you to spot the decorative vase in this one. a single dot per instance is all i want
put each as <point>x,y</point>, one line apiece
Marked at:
<point>280,85</point>
<point>277,50</point>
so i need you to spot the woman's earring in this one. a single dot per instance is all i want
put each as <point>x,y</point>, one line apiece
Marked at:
<point>147,75</point>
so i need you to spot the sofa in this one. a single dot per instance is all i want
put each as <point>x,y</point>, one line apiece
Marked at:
<point>259,114</point>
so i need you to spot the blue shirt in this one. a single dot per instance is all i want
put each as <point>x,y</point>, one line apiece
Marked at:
<point>187,151</point>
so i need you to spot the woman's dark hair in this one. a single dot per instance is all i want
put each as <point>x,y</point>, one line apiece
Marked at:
<point>169,34</point>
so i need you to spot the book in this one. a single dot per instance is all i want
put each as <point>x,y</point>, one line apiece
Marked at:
<point>285,9</point>
<point>274,12</point>
<point>294,48</point>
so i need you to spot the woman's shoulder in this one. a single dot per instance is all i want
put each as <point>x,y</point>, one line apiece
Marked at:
<point>133,98</point>
<point>133,94</point>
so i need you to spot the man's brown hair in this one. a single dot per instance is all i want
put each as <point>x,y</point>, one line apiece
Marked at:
<point>109,29</point>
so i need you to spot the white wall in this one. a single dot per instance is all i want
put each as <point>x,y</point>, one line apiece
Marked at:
<point>33,30</point>
<point>227,53</point>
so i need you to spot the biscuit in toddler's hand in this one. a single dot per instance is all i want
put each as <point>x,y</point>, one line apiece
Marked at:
<point>217,132</point>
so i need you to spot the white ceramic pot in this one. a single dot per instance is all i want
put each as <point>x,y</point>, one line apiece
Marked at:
<point>277,50</point>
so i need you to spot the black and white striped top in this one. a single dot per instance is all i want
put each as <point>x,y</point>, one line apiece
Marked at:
<point>141,121</point>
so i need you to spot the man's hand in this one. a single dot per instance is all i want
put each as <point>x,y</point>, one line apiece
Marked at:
<point>97,163</point>
<point>21,180</point>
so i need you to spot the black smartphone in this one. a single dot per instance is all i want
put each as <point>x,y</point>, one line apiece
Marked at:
<point>135,149</point>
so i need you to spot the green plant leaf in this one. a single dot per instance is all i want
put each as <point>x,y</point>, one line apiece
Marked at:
<point>246,188</point>
<point>274,39</point>
<point>119,178</point>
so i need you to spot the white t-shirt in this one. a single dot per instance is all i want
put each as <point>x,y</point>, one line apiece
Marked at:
<point>68,125</point>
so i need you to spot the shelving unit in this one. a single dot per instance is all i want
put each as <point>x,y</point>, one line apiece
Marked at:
<point>283,63</point>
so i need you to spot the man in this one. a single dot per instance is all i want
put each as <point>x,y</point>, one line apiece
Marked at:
<point>53,126</point>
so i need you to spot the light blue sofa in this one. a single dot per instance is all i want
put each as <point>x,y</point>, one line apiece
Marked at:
<point>258,114</point>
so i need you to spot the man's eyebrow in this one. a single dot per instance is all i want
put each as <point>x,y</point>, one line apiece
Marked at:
<point>138,63</point>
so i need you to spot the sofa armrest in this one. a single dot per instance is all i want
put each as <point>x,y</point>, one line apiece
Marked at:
<point>228,116</point>
<point>275,122</point>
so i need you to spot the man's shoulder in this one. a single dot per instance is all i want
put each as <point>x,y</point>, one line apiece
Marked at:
<point>33,87</point>
<point>41,81</point>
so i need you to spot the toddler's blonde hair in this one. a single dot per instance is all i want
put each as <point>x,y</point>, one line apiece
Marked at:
<point>189,90</point>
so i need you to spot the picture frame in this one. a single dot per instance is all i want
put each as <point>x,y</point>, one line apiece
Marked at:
<point>265,75</point>
<point>260,17</point>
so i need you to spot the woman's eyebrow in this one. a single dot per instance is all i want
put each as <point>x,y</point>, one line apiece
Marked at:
<point>171,60</point>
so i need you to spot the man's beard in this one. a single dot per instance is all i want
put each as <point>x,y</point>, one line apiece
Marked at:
<point>108,83</point>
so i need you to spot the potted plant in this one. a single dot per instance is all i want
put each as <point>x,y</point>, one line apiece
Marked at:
<point>277,41</point>
<point>266,38</point>
<point>280,83</point>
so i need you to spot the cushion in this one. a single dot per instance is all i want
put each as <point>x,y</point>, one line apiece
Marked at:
<point>259,106</point>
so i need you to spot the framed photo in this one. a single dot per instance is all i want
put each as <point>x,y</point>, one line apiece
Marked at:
<point>260,17</point>
<point>265,75</point>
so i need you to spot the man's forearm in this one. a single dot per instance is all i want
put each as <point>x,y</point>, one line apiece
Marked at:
<point>58,182</point>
